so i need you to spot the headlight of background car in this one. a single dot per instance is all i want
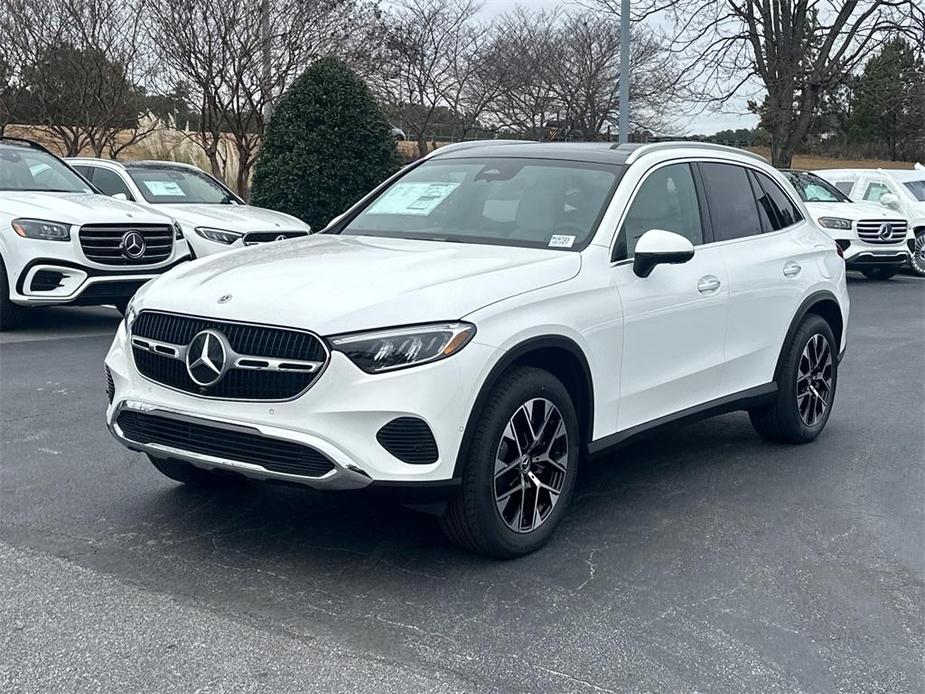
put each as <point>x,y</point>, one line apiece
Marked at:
<point>218,235</point>
<point>835,223</point>
<point>42,229</point>
<point>387,350</point>
<point>177,231</point>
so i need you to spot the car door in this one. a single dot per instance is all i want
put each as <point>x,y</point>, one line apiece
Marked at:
<point>763,237</point>
<point>674,319</point>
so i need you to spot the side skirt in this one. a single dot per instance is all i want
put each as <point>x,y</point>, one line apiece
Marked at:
<point>743,400</point>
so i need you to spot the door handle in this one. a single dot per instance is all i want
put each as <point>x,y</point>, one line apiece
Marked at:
<point>792,269</point>
<point>708,284</point>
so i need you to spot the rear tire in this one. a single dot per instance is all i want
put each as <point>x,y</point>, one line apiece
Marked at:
<point>191,475</point>
<point>806,385</point>
<point>11,315</point>
<point>520,468</point>
<point>879,273</point>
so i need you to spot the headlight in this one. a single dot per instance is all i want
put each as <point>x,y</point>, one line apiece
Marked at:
<point>835,223</point>
<point>177,231</point>
<point>218,235</point>
<point>131,313</point>
<point>41,229</point>
<point>387,350</point>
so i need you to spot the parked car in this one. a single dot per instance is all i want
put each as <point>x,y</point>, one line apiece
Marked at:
<point>899,190</point>
<point>871,237</point>
<point>212,217</point>
<point>62,242</point>
<point>483,319</point>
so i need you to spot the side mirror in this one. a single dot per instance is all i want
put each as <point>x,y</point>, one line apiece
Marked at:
<point>658,246</point>
<point>119,196</point>
<point>889,200</point>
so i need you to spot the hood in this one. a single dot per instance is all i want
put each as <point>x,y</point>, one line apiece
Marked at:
<point>76,208</point>
<point>851,210</point>
<point>333,284</point>
<point>242,218</point>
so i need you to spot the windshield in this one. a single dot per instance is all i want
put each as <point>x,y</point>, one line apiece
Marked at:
<point>917,188</point>
<point>811,188</point>
<point>35,170</point>
<point>540,203</point>
<point>175,185</point>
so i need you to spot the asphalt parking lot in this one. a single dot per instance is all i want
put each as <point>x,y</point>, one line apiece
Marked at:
<point>700,561</point>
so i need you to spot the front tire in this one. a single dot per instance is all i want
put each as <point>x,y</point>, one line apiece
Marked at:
<point>520,468</point>
<point>879,273</point>
<point>917,260</point>
<point>11,315</point>
<point>806,385</point>
<point>190,475</point>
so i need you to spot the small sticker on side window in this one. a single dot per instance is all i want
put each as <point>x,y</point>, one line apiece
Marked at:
<point>561,241</point>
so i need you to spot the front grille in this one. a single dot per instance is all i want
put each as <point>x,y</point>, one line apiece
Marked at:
<point>869,230</point>
<point>243,338</point>
<point>110,386</point>
<point>256,237</point>
<point>46,280</point>
<point>276,455</point>
<point>102,243</point>
<point>410,440</point>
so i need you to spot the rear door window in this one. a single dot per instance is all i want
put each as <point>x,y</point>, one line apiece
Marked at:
<point>733,207</point>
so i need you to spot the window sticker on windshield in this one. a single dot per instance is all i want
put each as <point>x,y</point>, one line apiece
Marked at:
<point>413,198</point>
<point>561,241</point>
<point>164,188</point>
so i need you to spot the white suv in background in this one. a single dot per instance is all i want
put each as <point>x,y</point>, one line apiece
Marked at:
<point>871,237</point>
<point>899,190</point>
<point>212,217</point>
<point>481,320</point>
<point>63,243</point>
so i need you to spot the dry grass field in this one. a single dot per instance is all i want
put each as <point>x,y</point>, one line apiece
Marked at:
<point>805,161</point>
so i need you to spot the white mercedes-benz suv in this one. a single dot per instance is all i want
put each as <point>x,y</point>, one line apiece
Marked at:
<point>64,243</point>
<point>213,218</point>
<point>871,237</point>
<point>484,319</point>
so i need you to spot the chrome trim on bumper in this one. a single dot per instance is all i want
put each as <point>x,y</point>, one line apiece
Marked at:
<point>340,477</point>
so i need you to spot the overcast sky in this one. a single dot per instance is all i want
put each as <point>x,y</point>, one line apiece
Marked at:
<point>705,123</point>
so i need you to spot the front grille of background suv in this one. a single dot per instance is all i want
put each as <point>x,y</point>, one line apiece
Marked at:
<point>102,243</point>
<point>254,341</point>
<point>869,230</point>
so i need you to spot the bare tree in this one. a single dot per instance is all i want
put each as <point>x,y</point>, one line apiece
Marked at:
<point>79,66</point>
<point>238,57</point>
<point>796,50</point>
<point>428,63</point>
<point>575,95</point>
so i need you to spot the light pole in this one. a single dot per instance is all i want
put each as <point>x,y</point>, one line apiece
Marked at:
<point>625,71</point>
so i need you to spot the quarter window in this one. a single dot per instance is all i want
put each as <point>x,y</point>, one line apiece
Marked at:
<point>733,208</point>
<point>845,186</point>
<point>776,208</point>
<point>666,200</point>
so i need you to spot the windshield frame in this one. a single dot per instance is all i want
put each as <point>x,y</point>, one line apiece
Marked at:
<point>618,170</point>
<point>132,169</point>
<point>87,188</point>
<point>790,174</point>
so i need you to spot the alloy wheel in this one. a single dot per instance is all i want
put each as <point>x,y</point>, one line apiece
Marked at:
<point>814,380</point>
<point>530,465</point>
<point>918,255</point>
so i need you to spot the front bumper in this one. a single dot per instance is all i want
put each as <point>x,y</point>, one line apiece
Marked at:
<point>860,256</point>
<point>339,416</point>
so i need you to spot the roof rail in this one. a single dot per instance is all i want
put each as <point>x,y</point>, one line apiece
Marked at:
<point>471,144</point>
<point>636,149</point>
<point>31,144</point>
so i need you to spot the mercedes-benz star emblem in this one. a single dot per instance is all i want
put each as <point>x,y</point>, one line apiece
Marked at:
<point>133,245</point>
<point>281,237</point>
<point>886,231</point>
<point>224,298</point>
<point>206,358</point>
